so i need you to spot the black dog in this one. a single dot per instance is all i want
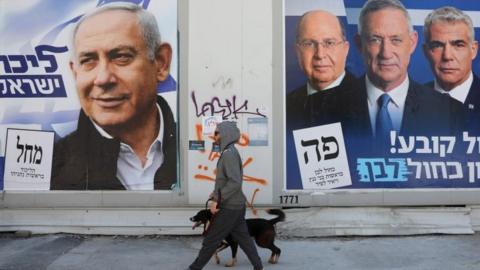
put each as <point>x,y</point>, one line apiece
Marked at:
<point>262,229</point>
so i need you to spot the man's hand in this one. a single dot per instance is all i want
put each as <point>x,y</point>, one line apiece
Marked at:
<point>213,207</point>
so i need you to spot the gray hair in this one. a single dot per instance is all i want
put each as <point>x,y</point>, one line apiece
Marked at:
<point>377,5</point>
<point>146,20</point>
<point>342,26</point>
<point>450,15</point>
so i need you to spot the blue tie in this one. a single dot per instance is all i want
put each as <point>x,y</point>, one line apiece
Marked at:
<point>384,122</point>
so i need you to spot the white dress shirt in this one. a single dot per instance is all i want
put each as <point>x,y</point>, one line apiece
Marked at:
<point>459,92</point>
<point>129,167</point>
<point>395,107</point>
<point>337,82</point>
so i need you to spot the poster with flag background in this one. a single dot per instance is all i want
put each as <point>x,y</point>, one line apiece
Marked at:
<point>430,158</point>
<point>37,90</point>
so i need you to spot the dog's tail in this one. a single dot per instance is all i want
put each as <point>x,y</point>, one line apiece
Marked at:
<point>277,212</point>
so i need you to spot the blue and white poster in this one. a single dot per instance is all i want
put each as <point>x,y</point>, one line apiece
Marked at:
<point>37,87</point>
<point>417,139</point>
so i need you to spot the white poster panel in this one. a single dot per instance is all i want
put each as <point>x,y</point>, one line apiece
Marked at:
<point>322,158</point>
<point>230,75</point>
<point>258,130</point>
<point>28,159</point>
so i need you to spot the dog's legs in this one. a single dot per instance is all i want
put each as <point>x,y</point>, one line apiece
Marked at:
<point>223,245</point>
<point>231,263</point>
<point>234,248</point>
<point>275,253</point>
<point>266,240</point>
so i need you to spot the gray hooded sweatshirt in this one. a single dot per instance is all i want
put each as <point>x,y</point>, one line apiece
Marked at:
<point>229,169</point>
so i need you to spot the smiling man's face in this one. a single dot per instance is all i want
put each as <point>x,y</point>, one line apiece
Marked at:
<point>115,79</point>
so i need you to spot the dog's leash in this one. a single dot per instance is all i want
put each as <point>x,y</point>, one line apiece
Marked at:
<point>205,228</point>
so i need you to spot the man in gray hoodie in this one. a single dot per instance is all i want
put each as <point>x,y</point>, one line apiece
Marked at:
<point>228,201</point>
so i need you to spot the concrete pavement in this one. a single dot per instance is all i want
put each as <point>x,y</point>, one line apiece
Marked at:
<point>79,252</point>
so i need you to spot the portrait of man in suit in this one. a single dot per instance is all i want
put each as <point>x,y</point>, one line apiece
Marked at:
<point>450,48</point>
<point>386,98</point>
<point>321,49</point>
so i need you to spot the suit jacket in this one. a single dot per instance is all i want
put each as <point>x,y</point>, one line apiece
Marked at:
<point>85,160</point>
<point>304,111</point>
<point>471,106</point>
<point>426,113</point>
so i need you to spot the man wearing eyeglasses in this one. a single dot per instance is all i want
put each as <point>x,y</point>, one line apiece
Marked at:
<point>450,47</point>
<point>386,98</point>
<point>321,50</point>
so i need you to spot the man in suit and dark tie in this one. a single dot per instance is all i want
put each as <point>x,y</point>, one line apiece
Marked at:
<point>386,98</point>
<point>322,51</point>
<point>450,47</point>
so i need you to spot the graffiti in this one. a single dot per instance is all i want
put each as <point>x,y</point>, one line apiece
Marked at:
<point>221,82</point>
<point>212,156</point>
<point>250,204</point>
<point>229,108</point>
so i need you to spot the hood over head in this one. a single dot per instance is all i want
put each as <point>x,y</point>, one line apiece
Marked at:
<point>228,132</point>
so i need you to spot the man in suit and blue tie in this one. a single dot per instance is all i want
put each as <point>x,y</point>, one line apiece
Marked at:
<point>386,98</point>
<point>450,47</point>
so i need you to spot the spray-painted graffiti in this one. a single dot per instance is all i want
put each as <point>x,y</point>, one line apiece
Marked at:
<point>223,83</point>
<point>212,156</point>
<point>229,108</point>
<point>252,201</point>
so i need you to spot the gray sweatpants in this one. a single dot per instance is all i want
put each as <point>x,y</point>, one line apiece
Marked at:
<point>227,221</point>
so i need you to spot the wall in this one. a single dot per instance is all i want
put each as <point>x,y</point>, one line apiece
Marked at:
<point>229,75</point>
<point>232,50</point>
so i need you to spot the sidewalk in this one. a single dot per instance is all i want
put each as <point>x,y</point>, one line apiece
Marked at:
<point>79,252</point>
